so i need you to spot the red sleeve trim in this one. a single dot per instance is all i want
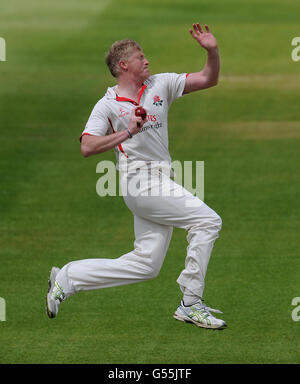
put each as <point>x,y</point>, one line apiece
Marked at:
<point>85,133</point>
<point>188,74</point>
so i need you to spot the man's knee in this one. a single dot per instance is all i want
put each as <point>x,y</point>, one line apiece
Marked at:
<point>153,273</point>
<point>155,265</point>
<point>210,224</point>
<point>147,271</point>
<point>152,260</point>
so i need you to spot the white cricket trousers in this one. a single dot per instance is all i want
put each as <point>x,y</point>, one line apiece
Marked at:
<point>158,206</point>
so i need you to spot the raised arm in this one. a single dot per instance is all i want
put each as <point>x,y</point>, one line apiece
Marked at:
<point>209,75</point>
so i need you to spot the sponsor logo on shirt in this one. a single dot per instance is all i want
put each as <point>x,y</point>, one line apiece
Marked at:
<point>144,128</point>
<point>151,118</point>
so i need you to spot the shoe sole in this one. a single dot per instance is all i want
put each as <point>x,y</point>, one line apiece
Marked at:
<point>188,320</point>
<point>48,312</point>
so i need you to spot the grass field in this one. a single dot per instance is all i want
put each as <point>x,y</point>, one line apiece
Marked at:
<point>247,130</point>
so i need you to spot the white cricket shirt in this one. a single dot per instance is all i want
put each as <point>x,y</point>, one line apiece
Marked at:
<point>112,114</point>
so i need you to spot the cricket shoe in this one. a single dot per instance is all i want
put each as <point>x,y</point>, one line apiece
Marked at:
<point>200,315</point>
<point>55,294</point>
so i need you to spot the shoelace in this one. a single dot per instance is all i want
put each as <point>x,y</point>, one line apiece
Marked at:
<point>209,309</point>
<point>205,309</point>
<point>212,310</point>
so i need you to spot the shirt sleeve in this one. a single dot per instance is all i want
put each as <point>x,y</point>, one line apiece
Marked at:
<point>175,84</point>
<point>98,123</point>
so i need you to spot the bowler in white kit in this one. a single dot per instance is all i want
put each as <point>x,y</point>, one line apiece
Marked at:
<point>141,146</point>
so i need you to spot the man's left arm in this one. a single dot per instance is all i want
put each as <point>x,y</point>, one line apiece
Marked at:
<point>209,75</point>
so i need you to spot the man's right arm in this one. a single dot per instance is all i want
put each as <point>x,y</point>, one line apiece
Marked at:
<point>92,144</point>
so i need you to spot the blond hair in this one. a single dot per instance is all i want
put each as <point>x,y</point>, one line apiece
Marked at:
<point>120,50</point>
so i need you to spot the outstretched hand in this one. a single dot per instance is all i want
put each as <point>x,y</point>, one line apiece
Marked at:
<point>205,38</point>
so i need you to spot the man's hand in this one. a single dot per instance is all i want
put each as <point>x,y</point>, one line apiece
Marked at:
<point>205,39</point>
<point>135,123</point>
<point>209,75</point>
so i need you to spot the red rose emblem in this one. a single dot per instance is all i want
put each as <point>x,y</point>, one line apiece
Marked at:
<point>157,100</point>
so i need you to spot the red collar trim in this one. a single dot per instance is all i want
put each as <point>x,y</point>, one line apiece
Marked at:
<point>118,98</point>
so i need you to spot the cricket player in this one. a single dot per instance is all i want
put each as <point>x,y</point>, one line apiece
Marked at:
<point>141,145</point>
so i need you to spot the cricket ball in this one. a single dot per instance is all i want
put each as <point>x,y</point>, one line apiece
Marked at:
<point>140,111</point>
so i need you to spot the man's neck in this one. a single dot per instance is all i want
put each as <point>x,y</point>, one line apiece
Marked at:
<point>129,88</point>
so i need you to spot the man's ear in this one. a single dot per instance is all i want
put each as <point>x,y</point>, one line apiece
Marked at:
<point>123,65</point>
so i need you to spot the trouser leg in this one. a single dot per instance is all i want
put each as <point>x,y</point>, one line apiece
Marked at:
<point>201,238</point>
<point>143,263</point>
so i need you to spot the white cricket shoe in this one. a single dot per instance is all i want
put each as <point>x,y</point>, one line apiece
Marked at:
<point>200,315</point>
<point>55,294</point>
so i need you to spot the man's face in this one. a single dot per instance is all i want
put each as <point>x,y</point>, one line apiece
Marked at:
<point>138,65</point>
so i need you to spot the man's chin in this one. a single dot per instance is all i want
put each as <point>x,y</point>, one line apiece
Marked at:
<point>144,76</point>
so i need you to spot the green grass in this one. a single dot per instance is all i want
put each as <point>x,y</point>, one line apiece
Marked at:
<point>247,130</point>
